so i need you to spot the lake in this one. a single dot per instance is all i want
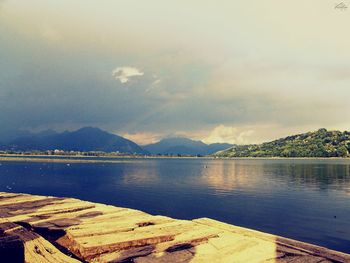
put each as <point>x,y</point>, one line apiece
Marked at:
<point>307,200</point>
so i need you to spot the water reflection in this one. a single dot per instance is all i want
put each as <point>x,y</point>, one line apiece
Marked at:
<point>329,176</point>
<point>225,177</point>
<point>142,174</point>
<point>319,175</point>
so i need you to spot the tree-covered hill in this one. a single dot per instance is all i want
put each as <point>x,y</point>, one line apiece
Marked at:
<point>321,143</point>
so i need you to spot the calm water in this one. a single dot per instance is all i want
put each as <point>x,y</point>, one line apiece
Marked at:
<point>307,200</point>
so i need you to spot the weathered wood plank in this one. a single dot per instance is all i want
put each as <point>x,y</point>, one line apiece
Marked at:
<point>35,248</point>
<point>140,236</point>
<point>114,226</point>
<point>103,233</point>
<point>283,245</point>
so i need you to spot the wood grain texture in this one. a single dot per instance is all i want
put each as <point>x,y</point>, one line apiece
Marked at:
<point>52,229</point>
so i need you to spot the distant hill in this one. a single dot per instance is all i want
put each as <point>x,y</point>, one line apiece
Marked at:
<point>184,146</point>
<point>84,139</point>
<point>8,136</point>
<point>321,143</point>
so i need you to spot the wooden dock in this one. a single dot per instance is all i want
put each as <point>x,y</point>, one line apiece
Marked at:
<point>52,229</point>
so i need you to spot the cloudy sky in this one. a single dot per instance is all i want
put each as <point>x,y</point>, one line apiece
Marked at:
<point>233,71</point>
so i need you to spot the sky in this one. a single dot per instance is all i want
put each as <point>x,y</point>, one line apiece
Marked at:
<point>212,70</point>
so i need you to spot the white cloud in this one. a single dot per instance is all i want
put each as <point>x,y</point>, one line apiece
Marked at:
<point>228,134</point>
<point>124,74</point>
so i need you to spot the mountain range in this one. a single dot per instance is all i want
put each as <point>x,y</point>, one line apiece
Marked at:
<point>85,139</point>
<point>320,143</point>
<point>184,146</point>
<point>94,139</point>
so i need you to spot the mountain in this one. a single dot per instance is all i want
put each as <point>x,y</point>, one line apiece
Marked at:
<point>321,143</point>
<point>84,139</point>
<point>184,146</point>
<point>10,135</point>
<point>215,147</point>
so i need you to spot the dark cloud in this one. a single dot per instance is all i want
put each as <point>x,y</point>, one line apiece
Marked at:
<point>49,80</point>
<point>57,93</point>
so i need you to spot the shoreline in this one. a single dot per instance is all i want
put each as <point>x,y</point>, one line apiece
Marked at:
<point>55,229</point>
<point>124,159</point>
